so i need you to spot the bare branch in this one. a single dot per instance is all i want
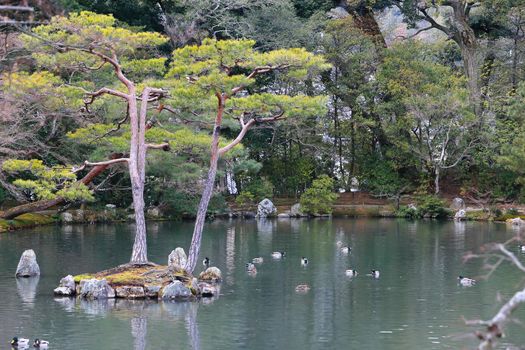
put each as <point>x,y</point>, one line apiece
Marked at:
<point>163,146</point>
<point>107,162</point>
<point>244,129</point>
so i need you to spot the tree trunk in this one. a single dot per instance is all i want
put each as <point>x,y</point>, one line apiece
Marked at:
<point>465,37</point>
<point>46,204</point>
<point>137,156</point>
<point>436,181</point>
<point>193,253</point>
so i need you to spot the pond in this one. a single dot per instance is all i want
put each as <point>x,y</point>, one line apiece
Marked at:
<point>415,304</point>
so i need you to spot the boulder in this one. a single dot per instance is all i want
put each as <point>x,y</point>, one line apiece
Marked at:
<point>95,289</point>
<point>66,287</point>
<point>177,259</point>
<point>152,291</point>
<point>457,204</point>
<point>130,292</point>
<point>175,290</point>
<point>209,290</point>
<point>27,266</point>
<point>66,217</point>
<point>212,274</point>
<point>516,222</point>
<point>461,214</point>
<point>266,209</point>
<point>295,211</point>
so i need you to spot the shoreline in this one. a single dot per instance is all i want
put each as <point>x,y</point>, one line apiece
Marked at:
<point>95,216</point>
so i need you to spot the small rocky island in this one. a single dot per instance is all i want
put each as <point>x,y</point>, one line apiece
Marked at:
<point>153,281</point>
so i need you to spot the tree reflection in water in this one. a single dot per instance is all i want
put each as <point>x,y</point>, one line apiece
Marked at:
<point>139,312</point>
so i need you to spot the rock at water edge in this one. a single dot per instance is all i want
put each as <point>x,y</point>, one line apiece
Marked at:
<point>27,266</point>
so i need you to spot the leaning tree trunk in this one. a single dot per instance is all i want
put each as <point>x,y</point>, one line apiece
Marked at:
<point>11,213</point>
<point>193,253</point>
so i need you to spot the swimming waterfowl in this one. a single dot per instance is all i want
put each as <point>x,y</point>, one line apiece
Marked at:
<point>41,344</point>
<point>522,248</point>
<point>351,273</point>
<point>345,249</point>
<point>304,261</point>
<point>278,255</point>
<point>258,260</point>
<point>466,282</point>
<point>375,273</point>
<point>206,262</point>
<point>19,342</point>
<point>302,288</point>
<point>250,267</point>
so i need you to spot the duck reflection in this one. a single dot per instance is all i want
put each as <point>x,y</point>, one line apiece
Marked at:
<point>27,288</point>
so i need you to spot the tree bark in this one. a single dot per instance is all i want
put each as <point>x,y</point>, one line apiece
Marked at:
<point>193,253</point>
<point>137,155</point>
<point>436,180</point>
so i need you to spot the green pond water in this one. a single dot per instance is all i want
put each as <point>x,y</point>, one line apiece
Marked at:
<point>415,304</point>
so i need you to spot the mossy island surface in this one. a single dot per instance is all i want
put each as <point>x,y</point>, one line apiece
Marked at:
<point>150,280</point>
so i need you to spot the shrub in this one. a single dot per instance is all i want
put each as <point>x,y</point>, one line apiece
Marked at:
<point>407,212</point>
<point>432,206</point>
<point>259,188</point>
<point>245,198</point>
<point>319,198</point>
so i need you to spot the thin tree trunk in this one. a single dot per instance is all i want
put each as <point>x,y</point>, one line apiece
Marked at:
<point>193,253</point>
<point>436,181</point>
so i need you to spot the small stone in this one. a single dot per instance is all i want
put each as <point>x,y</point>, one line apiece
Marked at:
<point>111,206</point>
<point>66,287</point>
<point>64,291</point>
<point>460,215</point>
<point>266,209</point>
<point>177,259</point>
<point>27,266</point>
<point>130,292</point>
<point>208,290</point>
<point>95,289</point>
<point>66,217</point>
<point>412,206</point>
<point>175,290</point>
<point>212,274</point>
<point>283,215</point>
<point>152,291</point>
